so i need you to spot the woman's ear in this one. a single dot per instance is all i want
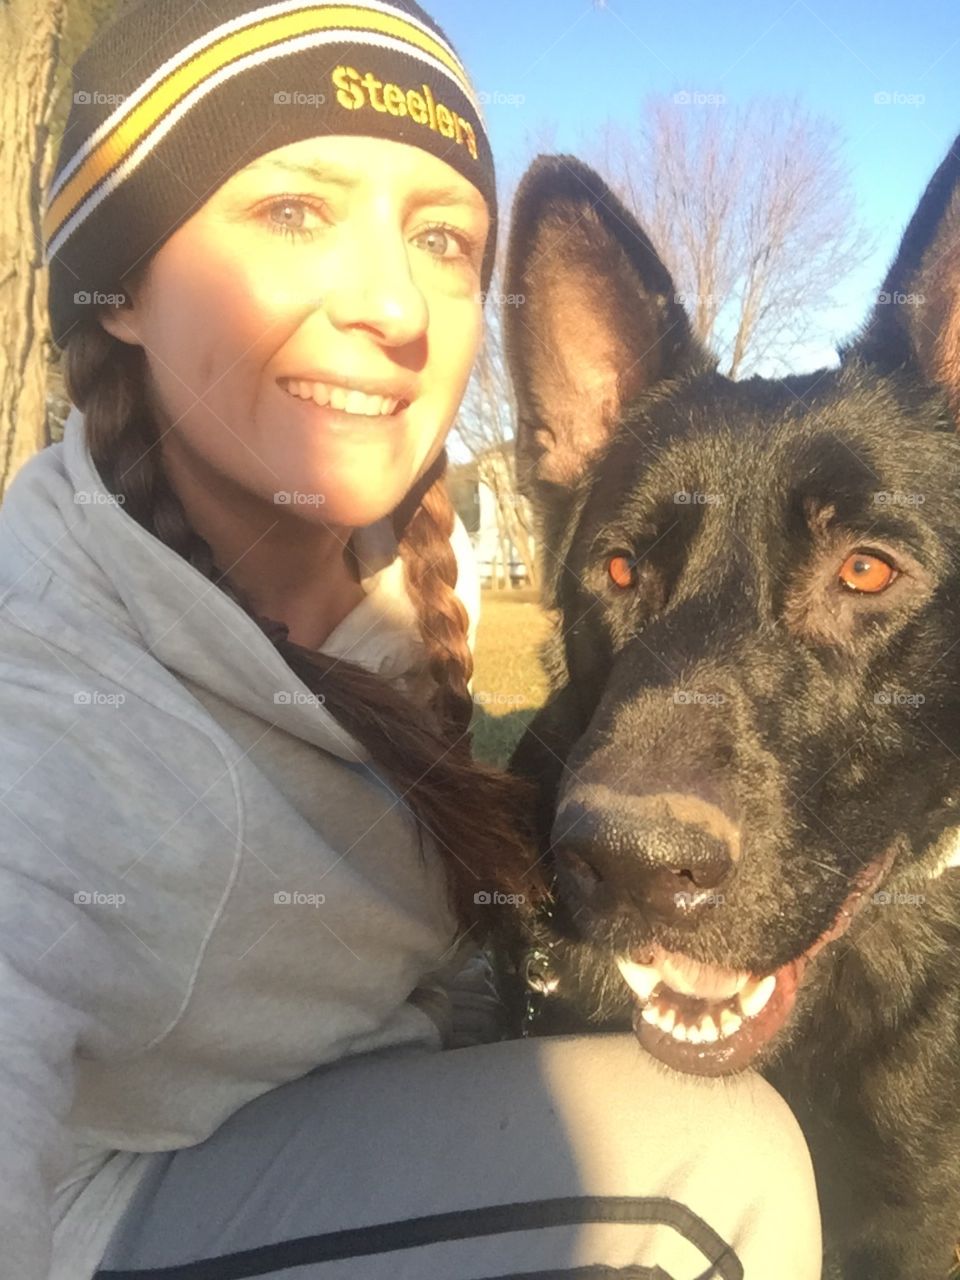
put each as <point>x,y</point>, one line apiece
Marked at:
<point>121,318</point>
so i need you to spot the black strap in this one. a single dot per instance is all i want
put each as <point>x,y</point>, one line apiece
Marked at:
<point>462,1224</point>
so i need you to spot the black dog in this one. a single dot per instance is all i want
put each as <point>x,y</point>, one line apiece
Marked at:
<point>749,765</point>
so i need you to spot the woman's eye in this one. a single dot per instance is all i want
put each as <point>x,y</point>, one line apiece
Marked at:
<point>289,217</point>
<point>440,242</point>
<point>867,572</point>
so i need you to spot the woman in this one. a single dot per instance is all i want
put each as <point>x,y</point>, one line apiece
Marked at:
<point>245,852</point>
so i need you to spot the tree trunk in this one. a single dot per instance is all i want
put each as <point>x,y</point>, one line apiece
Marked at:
<point>30,35</point>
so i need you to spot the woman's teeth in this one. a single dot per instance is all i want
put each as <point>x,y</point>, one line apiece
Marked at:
<point>342,398</point>
<point>668,991</point>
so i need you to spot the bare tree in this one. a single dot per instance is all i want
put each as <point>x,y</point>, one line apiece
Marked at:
<point>39,40</point>
<point>751,208</point>
<point>30,35</point>
<point>485,429</point>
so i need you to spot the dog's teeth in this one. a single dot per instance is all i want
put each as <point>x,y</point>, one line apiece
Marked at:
<point>679,1032</point>
<point>649,1014</point>
<point>668,1020</point>
<point>730,1022</point>
<point>755,994</point>
<point>703,981</point>
<point>641,978</point>
<point>694,1035</point>
<point>709,1031</point>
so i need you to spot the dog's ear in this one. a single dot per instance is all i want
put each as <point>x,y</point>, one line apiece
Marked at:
<point>592,318</point>
<point>916,322</point>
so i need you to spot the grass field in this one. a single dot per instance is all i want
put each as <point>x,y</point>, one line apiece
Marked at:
<point>508,684</point>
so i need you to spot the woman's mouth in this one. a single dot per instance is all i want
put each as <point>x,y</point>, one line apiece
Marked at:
<point>346,400</point>
<point>708,1020</point>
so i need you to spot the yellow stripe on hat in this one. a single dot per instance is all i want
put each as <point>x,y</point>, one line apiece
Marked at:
<point>131,131</point>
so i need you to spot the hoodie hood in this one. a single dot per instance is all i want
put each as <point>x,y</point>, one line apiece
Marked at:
<point>65,537</point>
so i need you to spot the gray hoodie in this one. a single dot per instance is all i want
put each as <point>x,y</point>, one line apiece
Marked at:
<point>206,889</point>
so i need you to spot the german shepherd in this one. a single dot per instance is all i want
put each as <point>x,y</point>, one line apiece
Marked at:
<point>748,767</point>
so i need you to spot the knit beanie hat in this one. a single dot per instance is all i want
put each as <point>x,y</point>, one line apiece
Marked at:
<point>175,96</point>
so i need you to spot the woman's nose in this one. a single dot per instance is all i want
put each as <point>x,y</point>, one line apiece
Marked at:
<point>374,289</point>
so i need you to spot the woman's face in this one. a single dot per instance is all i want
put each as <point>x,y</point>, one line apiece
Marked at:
<point>309,332</point>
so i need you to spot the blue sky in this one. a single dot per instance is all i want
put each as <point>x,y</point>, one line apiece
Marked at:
<point>576,63</point>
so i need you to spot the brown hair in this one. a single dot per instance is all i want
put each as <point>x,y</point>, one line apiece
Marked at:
<point>475,813</point>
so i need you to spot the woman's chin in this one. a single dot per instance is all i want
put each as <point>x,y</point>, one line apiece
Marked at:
<point>337,502</point>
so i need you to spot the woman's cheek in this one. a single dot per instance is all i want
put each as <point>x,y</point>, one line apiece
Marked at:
<point>461,330</point>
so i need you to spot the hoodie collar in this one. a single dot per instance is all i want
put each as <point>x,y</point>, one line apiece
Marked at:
<point>59,508</point>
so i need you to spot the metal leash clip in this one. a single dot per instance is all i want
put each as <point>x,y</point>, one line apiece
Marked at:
<point>541,981</point>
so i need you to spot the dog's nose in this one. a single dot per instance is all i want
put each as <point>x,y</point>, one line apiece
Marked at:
<point>667,854</point>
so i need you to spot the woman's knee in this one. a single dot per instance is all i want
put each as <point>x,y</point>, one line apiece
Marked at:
<point>597,1112</point>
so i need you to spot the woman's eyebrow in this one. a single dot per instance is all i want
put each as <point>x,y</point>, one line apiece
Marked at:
<point>450,195</point>
<point>318,172</point>
<point>444,193</point>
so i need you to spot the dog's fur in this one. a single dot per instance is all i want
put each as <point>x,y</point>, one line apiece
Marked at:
<point>824,725</point>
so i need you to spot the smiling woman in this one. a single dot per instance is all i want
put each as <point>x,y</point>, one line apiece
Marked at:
<point>236,624</point>
<point>324,302</point>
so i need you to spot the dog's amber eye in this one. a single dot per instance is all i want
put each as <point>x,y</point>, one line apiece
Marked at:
<point>866,571</point>
<point>622,570</point>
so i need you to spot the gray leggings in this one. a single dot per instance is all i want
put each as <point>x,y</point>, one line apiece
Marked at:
<point>574,1156</point>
